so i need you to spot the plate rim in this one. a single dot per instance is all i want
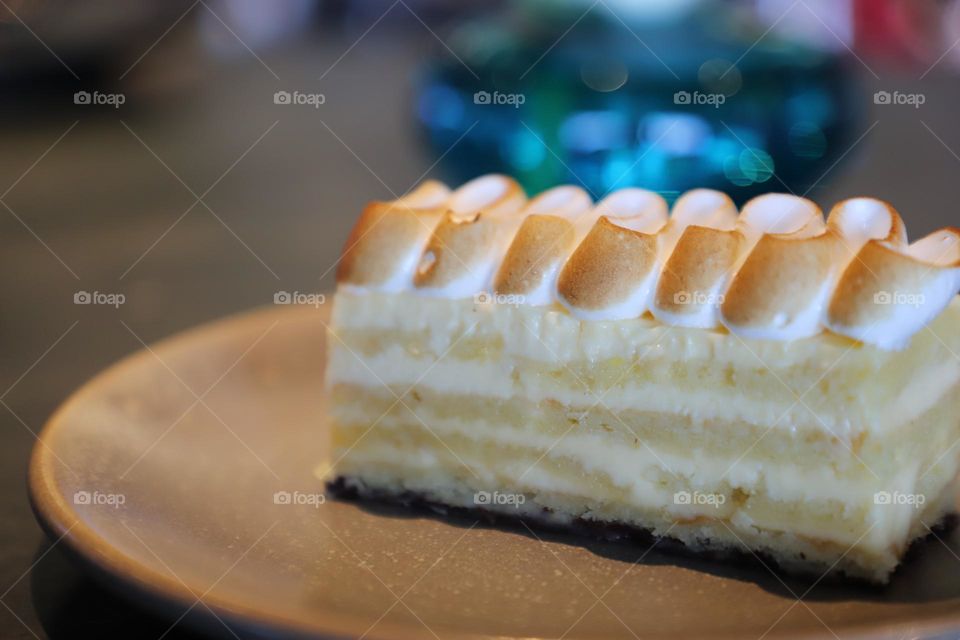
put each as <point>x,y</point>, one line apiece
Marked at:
<point>64,525</point>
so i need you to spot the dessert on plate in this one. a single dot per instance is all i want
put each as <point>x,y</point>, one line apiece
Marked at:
<point>763,380</point>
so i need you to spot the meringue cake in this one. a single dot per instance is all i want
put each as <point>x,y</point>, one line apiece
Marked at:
<point>762,380</point>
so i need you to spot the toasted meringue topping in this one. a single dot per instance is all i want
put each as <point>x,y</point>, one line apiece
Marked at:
<point>565,202</point>
<point>640,206</point>
<point>471,238</point>
<point>778,271</point>
<point>781,282</point>
<point>546,237</point>
<point>705,208</point>
<point>779,291</point>
<point>611,273</point>
<point>702,257</point>
<point>781,214</point>
<point>888,293</point>
<point>385,245</point>
<point>492,194</point>
<point>940,248</point>
<point>858,220</point>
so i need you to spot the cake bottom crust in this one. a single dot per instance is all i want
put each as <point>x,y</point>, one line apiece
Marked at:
<point>354,489</point>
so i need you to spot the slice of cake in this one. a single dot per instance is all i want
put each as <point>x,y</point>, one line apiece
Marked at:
<point>761,380</point>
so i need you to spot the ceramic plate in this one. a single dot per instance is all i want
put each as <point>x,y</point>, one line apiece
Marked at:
<point>184,476</point>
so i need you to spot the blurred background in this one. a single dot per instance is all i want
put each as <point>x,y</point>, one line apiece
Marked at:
<point>166,163</point>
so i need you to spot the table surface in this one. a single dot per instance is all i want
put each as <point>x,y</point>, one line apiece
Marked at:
<point>207,200</point>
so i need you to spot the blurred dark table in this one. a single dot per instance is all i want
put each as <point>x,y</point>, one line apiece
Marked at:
<point>102,199</point>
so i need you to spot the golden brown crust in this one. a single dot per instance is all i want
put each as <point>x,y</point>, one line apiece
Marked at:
<point>940,248</point>
<point>458,246</point>
<point>476,229</point>
<point>880,275</point>
<point>381,240</point>
<point>701,259</point>
<point>538,249</point>
<point>779,280</point>
<point>607,266</point>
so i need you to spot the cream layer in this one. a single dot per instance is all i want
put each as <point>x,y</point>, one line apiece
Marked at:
<point>869,557</point>
<point>884,527</point>
<point>551,334</point>
<point>838,407</point>
<point>640,466</point>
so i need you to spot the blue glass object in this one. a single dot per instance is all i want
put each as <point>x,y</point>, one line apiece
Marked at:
<point>697,102</point>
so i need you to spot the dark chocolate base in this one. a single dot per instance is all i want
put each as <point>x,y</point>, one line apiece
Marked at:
<point>613,532</point>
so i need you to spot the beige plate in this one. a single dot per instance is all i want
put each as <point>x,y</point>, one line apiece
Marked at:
<point>160,475</point>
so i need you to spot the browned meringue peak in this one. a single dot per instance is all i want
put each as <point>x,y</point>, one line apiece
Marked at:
<point>566,201</point>
<point>705,249</point>
<point>704,207</point>
<point>940,248</point>
<point>859,220</point>
<point>780,214</point>
<point>634,209</point>
<point>545,238</point>
<point>471,237</point>
<point>610,274</point>
<point>779,287</point>
<point>382,250</point>
<point>890,292</point>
